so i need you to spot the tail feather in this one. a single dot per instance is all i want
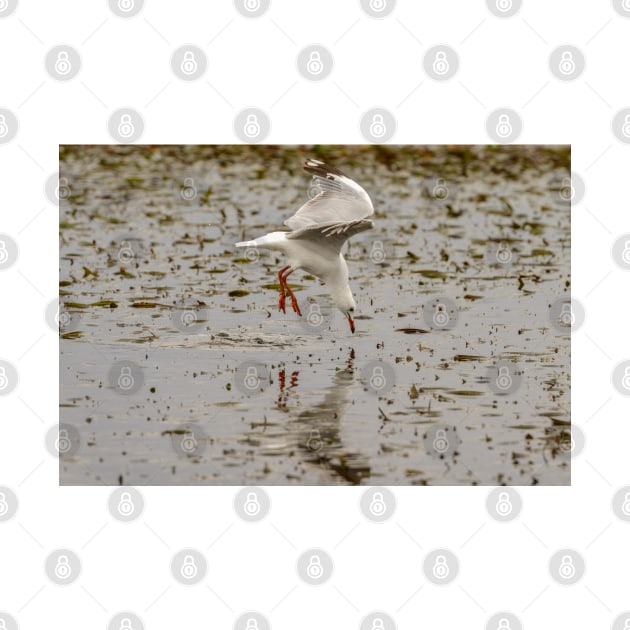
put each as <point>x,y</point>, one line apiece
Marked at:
<point>274,240</point>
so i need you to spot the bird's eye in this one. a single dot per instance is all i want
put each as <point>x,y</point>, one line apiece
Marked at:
<point>351,309</point>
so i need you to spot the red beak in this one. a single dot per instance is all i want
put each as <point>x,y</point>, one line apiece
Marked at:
<point>351,322</point>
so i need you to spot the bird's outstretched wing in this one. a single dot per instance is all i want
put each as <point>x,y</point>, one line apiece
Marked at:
<point>331,235</point>
<point>339,200</point>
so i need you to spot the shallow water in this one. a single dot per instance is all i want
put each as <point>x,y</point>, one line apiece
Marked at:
<point>461,280</point>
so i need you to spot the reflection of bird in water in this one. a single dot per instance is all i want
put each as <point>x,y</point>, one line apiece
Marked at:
<point>318,428</point>
<point>283,395</point>
<point>319,229</point>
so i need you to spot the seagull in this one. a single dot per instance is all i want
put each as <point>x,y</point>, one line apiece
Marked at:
<point>340,209</point>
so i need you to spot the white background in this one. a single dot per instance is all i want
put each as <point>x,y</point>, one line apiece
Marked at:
<point>251,62</point>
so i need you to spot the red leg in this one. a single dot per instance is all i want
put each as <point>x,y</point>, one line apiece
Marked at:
<point>294,302</point>
<point>282,395</point>
<point>282,300</point>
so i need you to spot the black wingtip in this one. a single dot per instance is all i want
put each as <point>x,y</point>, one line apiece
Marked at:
<point>321,169</point>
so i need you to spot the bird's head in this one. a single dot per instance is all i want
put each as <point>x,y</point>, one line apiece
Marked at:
<point>346,304</point>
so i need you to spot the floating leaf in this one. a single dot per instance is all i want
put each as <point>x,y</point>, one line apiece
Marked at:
<point>75,305</point>
<point>74,334</point>
<point>105,304</point>
<point>469,357</point>
<point>431,273</point>
<point>412,331</point>
<point>466,392</point>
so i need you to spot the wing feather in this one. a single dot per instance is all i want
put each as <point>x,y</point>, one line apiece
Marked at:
<point>339,199</point>
<point>332,235</point>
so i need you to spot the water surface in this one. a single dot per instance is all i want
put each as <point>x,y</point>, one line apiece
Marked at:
<point>464,275</point>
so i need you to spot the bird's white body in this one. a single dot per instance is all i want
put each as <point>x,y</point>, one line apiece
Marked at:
<point>319,229</point>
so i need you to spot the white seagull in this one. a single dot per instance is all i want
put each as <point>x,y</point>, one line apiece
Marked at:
<point>318,230</point>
